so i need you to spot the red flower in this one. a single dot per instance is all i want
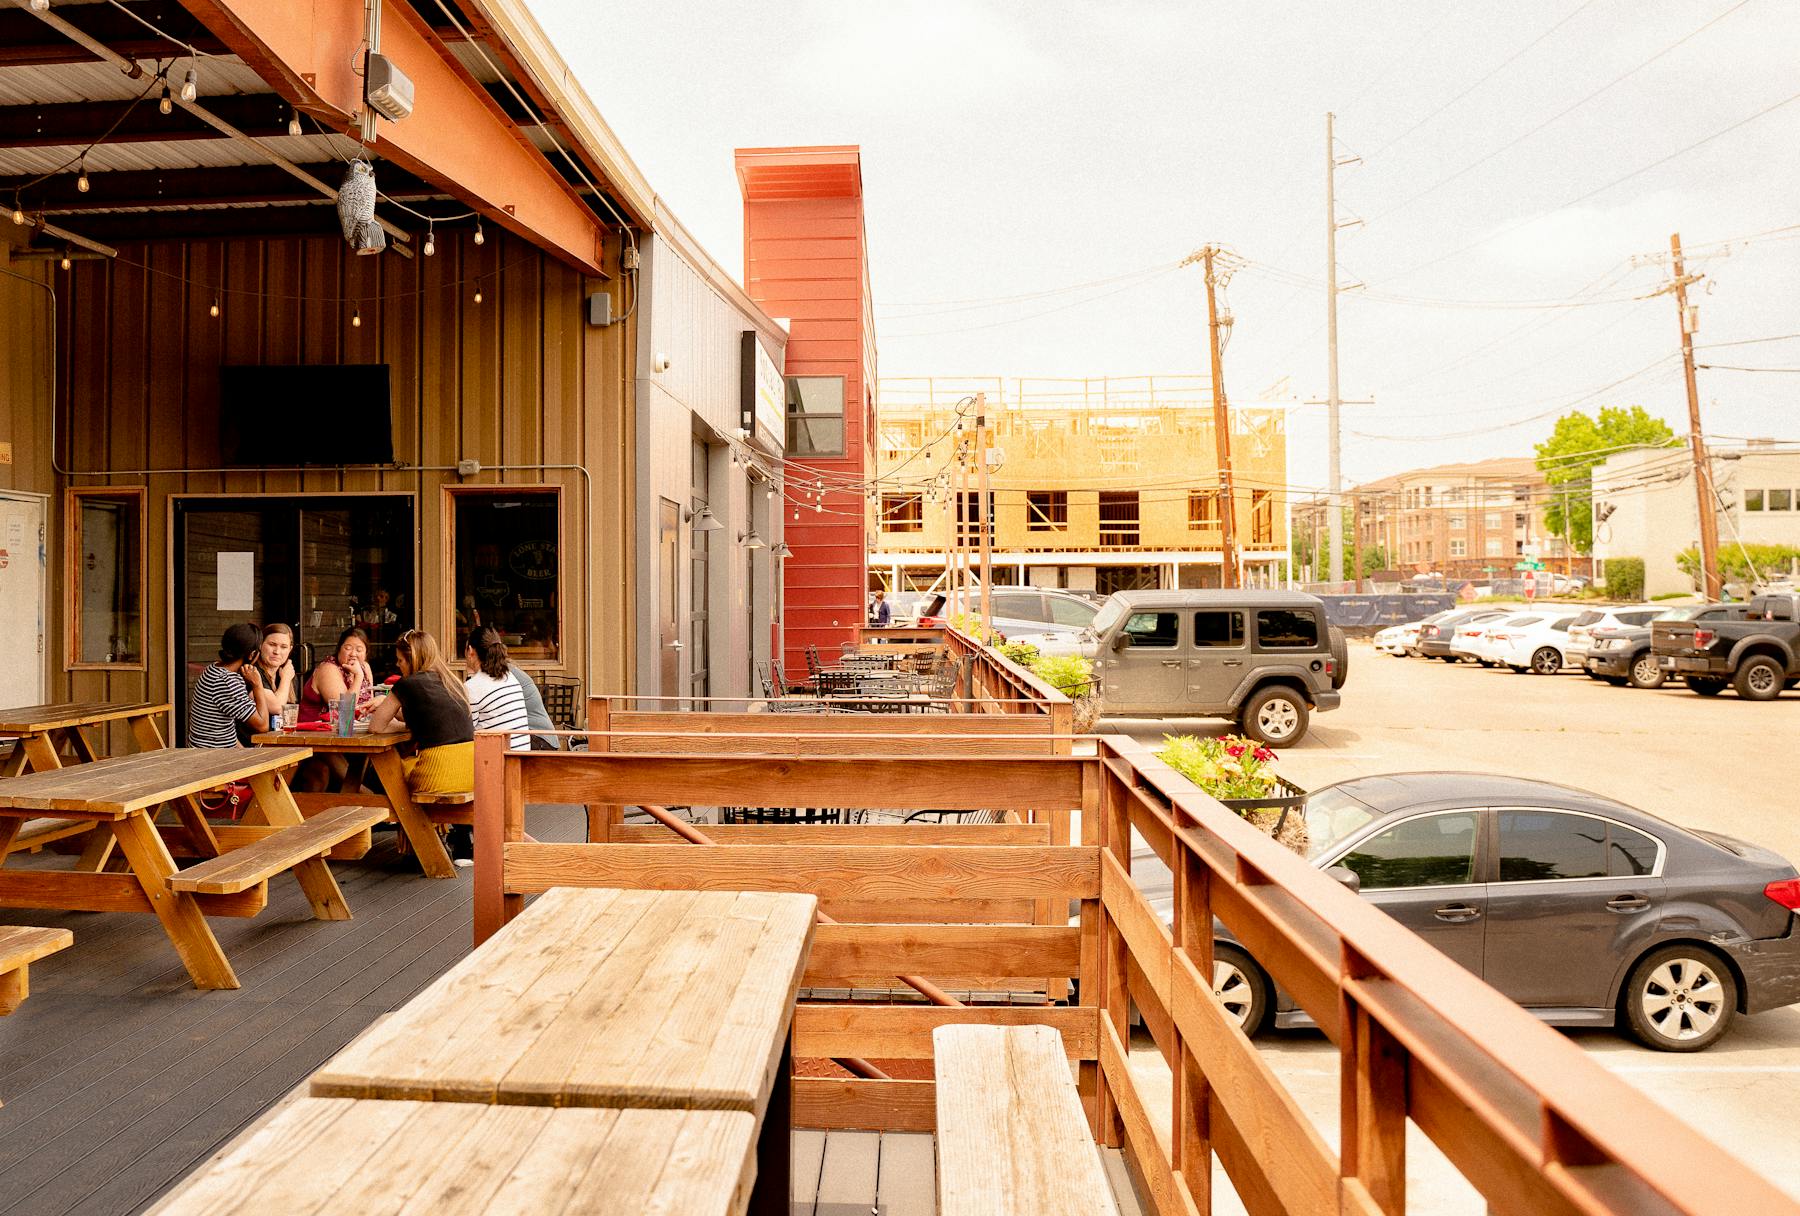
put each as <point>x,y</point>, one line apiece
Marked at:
<point>1264,754</point>
<point>1235,750</point>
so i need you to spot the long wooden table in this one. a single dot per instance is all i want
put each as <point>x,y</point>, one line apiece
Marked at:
<point>121,796</point>
<point>599,997</point>
<point>331,1156</point>
<point>381,753</point>
<point>42,731</point>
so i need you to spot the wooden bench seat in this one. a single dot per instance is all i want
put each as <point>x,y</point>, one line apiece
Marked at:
<point>447,808</point>
<point>1012,1139</point>
<point>240,869</point>
<point>20,946</point>
<point>36,833</point>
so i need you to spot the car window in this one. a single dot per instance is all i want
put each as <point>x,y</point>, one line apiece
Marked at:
<point>1017,606</point>
<point>1628,853</point>
<point>1640,618</point>
<point>1523,620</point>
<point>1218,629</point>
<point>1429,851</point>
<point>1108,616</point>
<point>1155,629</point>
<point>1286,629</point>
<point>1561,626</point>
<point>1071,612</point>
<point>1586,618</point>
<point>1537,845</point>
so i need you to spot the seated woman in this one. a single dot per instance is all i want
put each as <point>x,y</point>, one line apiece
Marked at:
<point>496,699</point>
<point>346,669</point>
<point>431,702</point>
<point>273,664</point>
<point>228,692</point>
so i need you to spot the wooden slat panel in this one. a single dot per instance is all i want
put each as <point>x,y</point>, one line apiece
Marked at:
<point>830,872</point>
<point>1147,1141</point>
<point>930,911</point>
<point>845,955</point>
<point>936,725</point>
<point>844,834</point>
<point>244,867</point>
<point>903,1032</point>
<point>889,1106</point>
<point>144,779</point>
<point>22,944</point>
<point>76,892</point>
<point>810,746</point>
<point>865,783</point>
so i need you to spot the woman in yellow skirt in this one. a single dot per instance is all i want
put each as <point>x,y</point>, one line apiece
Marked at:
<point>431,702</point>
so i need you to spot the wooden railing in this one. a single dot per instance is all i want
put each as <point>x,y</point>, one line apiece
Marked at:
<point>1526,1116</point>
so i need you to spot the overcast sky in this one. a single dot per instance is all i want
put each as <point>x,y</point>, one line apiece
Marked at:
<point>1016,149</point>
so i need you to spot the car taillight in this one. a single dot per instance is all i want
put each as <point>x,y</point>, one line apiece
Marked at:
<point>1786,893</point>
<point>1331,667</point>
<point>1704,637</point>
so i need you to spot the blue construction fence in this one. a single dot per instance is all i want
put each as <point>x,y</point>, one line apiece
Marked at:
<point>1371,612</point>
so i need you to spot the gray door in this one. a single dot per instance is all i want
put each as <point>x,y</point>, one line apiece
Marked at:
<point>1145,675</point>
<point>1215,659</point>
<point>1421,871</point>
<point>1575,896</point>
<point>23,580</point>
<point>668,608</point>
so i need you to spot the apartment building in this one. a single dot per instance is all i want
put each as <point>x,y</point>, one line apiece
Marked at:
<point>1463,520</point>
<point>1096,485</point>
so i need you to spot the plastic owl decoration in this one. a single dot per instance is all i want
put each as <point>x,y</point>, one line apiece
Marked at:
<point>356,209</point>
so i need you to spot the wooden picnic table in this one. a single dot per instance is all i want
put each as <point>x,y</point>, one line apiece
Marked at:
<point>42,731</point>
<point>599,997</point>
<point>331,1155</point>
<point>380,752</point>
<point>121,796</point>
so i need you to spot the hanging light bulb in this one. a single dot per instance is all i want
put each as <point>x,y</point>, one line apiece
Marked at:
<point>18,214</point>
<point>480,237</point>
<point>40,6</point>
<point>294,122</point>
<point>81,177</point>
<point>430,242</point>
<point>67,261</point>
<point>214,310</point>
<point>165,104</point>
<point>478,294</point>
<point>190,85</point>
<point>356,317</point>
<point>819,506</point>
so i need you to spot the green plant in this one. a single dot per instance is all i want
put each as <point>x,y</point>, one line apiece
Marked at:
<point>1671,595</point>
<point>1739,562</point>
<point>1069,674</point>
<point>1022,653</point>
<point>970,625</point>
<point>1228,766</point>
<point>1577,443</point>
<point>1625,578</point>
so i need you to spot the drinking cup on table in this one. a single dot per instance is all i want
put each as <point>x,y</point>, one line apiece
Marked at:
<point>290,716</point>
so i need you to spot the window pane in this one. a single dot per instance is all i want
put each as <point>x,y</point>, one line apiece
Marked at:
<point>1628,853</point>
<point>1019,607</point>
<point>507,562</point>
<point>1431,851</point>
<point>1280,628</point>
<point>1157,629</point>
<point>1753,500</point>
<point>815,408</point>
<point>1071,612</point>
<point>1218,629</point>
<point>1781,500</point>
<point>815,436</point>
<point>1537,845</point>
<point>1046,510</point>
<point>107,579</point>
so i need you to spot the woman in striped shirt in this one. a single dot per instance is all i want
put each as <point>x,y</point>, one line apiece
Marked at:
<point>495,699</point>
<point>228,693</point>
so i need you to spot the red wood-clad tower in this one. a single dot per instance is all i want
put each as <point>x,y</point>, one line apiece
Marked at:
<point>806,260</point>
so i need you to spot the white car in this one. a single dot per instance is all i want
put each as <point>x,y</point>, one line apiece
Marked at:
<point>1536,642</point>
<point>1580,639</point>
<point>1398,639</point>
<point>1485,647</point>
<point>1469,635</point>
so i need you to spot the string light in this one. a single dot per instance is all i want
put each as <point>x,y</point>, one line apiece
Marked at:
<point>294,122</point>
<point>478,294</point>
<point>40,6</point>
<point>480,237</point>
<point>214,310</point>
<point>430,242</point>
<point>356,317</point>
<point>18,214</point>
<point>166,104</point>
<point>67,261</point>
<point>190,85</point>
<point>81,177</point>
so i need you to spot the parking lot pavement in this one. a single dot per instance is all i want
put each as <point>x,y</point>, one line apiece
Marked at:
<point>1715,763</point>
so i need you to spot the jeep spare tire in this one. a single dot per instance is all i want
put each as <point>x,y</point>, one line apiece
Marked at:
<point>1275,714</point>
<point>1340,656</point>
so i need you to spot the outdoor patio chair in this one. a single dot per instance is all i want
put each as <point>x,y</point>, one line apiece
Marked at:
<point>780,814</point>
<point>813,666</point>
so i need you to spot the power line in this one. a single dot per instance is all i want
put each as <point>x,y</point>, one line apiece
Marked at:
<point>983,301</point>
<point>933,333</point>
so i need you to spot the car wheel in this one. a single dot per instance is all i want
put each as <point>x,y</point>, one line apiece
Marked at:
<point>1759,679</point>
<point>1241,987</point>
<point>1706,686</point>
<point>1340,654</point>
<point>1448,658</point>
<point>1275,716</point>
<point>1546,661</point>
<point>1680,998</point>
<point>1618,681</point>
<point>1593,675</point>
<point>1644,672</point>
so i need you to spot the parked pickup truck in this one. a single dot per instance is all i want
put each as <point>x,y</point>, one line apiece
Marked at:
<point>1757,654</point>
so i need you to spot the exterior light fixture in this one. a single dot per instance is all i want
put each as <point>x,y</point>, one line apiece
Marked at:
<point>781,550</point>
<point>18,214</point>
<point>40,6</point>
<point>165,104</point>
<point>294,122</point>
<point>751,540</point>
<point>356,317</point>
<point>67,262</point>
<point>430,243</point>
<point>480,236</point>
<point>478,294</point>
<point>190,85</point>
<point>706,521</point>
<point>81,177</point>
<point>214,310</point>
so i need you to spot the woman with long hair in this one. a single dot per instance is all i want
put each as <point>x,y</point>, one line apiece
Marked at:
<point>274,663</point>
<point>431,702</point>
<point>228,693</point>
<point>496,698</point>
<point>346,670</point>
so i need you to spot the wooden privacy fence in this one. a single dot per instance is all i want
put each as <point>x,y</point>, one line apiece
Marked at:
<point>1528,1118</point>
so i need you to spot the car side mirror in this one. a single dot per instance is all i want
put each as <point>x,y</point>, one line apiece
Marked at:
<point>1120,641</point>
<point>1345,875</point>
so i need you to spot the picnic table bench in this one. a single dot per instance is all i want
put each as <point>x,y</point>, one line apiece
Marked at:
<point>121,795</point>
<point>41,732</point>
<point>332,1155</point>
<point>1011,1134</point>
<point>21,946</point>
<point>608,998</point>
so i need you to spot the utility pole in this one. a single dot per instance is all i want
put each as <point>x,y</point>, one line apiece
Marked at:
<point>1355,542</point>
<point>1334,467</point>
<point>981,508</point>
<point>1216,275</point>
<point>1703,484</point>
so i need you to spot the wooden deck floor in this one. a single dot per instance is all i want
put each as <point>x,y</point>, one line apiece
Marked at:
<point>118,1077</point>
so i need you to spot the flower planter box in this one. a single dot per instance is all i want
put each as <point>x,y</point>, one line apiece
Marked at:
<point>1274,814</point>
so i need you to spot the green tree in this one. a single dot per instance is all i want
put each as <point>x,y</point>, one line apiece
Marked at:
<point>1577,443</point>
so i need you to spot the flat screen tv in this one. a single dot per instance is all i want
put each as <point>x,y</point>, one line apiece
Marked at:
<point>313,413</point>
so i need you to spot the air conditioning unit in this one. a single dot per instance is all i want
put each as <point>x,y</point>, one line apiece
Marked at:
<point>387,89</point>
